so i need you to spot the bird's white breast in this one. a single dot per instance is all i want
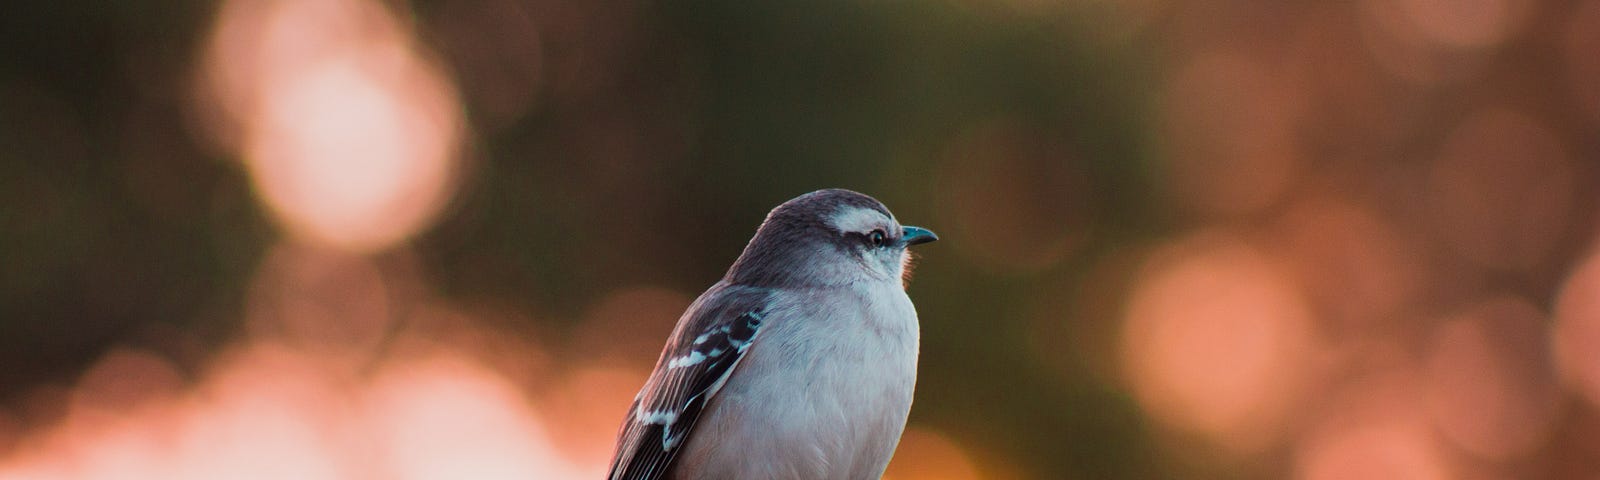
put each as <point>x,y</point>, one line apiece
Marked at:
<point>824,393</point>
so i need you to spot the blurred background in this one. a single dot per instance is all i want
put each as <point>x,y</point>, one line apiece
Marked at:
<point>353,239</point>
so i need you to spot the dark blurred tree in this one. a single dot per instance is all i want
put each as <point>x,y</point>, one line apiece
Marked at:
<point>113,222</point>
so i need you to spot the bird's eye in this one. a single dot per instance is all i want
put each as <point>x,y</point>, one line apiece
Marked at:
<point>877,238</point>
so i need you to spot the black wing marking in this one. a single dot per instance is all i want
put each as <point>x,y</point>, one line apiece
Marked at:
<point>709,341</point>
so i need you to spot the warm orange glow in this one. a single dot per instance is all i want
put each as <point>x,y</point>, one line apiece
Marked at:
<point>592,403</point>
<point>925,454</point>
<point>444,418</point>
<point>1355,270</point>
<point>1217,341</point>
<point>649,313</point>
<point>1490,386</point>
<point>266,413</point>
<point>1431,42</point>
<point>1464,23</point>
<point>350,135</point>
<point>269,412</point>
<point>117,421</point>
<point>1376,430</point>
<point>1577,330</point>
<point>307,394</point>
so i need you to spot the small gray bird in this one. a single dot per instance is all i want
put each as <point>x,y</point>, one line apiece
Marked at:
<point>798,364</point>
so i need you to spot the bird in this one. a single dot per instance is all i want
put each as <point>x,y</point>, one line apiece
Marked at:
<point>800,363</point>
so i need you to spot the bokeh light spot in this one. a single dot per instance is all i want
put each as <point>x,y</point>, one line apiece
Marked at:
<point>350,136</point>
<point>1412,42</point>
<point>1501,190</point>
<point>1490,386</point>
<point>266,413</point>
<point>1217,341</point>
<point>1577,329</point>
<point>1357,269</point>
<point>445,418</point>
<point>1465,23</point>
<point>1375,429</point>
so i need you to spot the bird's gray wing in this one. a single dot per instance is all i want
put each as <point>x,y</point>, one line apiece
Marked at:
<point>705,348</point>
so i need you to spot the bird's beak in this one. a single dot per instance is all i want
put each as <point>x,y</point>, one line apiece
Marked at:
<point>918,236</point>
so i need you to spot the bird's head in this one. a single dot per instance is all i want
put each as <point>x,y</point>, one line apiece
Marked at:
<point>828,237</point>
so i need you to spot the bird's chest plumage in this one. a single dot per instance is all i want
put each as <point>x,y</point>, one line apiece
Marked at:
<point>833,400</point>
